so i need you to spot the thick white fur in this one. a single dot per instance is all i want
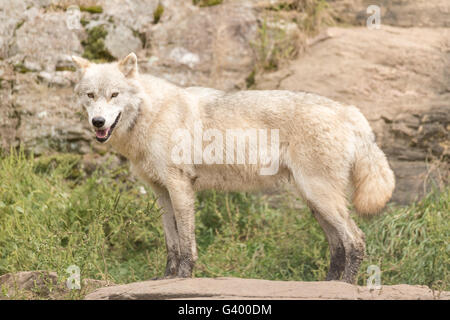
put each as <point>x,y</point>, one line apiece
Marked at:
<point>326,149</point>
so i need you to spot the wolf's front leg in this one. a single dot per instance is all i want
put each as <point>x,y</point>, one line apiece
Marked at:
<point>183,198</point>
<point>170,232</point>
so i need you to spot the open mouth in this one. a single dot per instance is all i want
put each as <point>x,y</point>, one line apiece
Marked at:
<point>103,134</point>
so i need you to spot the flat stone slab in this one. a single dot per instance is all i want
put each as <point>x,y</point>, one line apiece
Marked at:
<point>236,288</point>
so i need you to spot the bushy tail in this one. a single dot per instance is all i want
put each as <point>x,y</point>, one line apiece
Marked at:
<point>373,179</point>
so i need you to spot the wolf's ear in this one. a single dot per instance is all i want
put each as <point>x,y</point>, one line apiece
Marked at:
<point>128,65</point>
<point>80,62</point>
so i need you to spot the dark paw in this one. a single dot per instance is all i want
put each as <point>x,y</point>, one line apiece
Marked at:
<point>353,261</point>
<point>337,264</point>
<point>334,275</point>
<point>171,266</point>
<point>185,267</point>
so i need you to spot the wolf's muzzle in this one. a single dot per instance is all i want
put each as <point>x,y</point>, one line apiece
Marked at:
<point>102,135</point>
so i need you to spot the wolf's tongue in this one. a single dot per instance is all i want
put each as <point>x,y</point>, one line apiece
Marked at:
<point>101,133</point>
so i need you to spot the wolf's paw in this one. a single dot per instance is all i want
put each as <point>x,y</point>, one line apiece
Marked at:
<point>185,268</point>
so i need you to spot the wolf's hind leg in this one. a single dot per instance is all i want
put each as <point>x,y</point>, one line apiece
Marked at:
<point>337,251</point>
<point>346,240</point>
<point>354,252</point>
<point>170,232</point>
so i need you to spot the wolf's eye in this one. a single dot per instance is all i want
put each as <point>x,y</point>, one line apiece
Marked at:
<point>90,95</point>
<point>115,94</point>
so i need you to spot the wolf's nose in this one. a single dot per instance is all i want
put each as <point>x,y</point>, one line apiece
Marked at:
<point>98,122</point>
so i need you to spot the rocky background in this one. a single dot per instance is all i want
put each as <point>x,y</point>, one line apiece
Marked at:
<point>399,75</point>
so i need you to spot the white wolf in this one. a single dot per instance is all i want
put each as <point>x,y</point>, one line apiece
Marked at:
<point>326,150</point>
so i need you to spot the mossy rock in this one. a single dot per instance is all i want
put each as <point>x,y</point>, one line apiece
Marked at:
<point>65,68</point>
<point>20,67</point>
<point>157,14</point>
<point>207,3</point>
<point>94,45</point>
<point>92,9</point>
<point>84,22</point>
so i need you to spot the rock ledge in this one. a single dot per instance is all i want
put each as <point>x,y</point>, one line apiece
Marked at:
<point>235,288</point>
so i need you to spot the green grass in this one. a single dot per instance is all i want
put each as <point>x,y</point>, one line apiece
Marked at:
<point>53,215</point>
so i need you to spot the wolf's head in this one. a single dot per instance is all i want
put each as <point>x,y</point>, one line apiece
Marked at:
<point>110,94</point>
